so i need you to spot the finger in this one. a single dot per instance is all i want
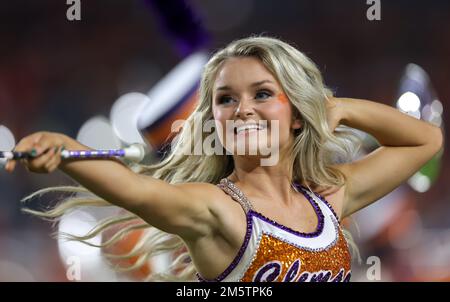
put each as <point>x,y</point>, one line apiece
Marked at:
<point>52,168</point>
<point>45,143</point>
<point>53,162</point>
<point>40,161</point>
<point>56,159</point>
<point>42,147</point>
<point>10,165</point>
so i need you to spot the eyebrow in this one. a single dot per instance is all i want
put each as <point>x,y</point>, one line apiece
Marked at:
<point>252,85</point>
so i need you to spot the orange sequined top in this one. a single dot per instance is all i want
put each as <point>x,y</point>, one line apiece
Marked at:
<point>273,252</point>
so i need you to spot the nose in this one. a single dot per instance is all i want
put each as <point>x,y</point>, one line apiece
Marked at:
<point>244,109</point>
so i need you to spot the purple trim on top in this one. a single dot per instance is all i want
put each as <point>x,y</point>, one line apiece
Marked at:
<point>239,255</point>
<point>320,219</point>
<point>249,218</point>
<point>327,203</point>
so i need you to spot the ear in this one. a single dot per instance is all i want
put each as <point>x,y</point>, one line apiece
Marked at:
<point>296,120</point>
<point>296,124</point>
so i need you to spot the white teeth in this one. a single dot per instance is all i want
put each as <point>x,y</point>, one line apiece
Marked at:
<point>248,127</point>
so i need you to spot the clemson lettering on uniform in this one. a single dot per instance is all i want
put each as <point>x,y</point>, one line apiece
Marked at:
<point>271,271</point>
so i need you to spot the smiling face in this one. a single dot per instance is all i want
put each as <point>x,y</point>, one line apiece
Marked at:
<point>247,95</point>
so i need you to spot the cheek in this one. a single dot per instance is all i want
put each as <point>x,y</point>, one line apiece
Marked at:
<point>282,98</point>
<point>220,119</point>
<point>279,110</point>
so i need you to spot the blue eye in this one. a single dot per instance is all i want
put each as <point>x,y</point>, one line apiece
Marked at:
<point>225,99</point>
<point>263,95</point>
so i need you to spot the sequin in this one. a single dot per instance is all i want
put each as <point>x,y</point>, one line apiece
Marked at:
<point>333,259</point>
<point>273,257</point>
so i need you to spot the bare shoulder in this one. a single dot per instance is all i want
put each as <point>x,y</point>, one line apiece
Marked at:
<point>338,197</point>
<point>218,202</point>
<point>215,251</point>
<point>185,209</point>
<point>197,187</point>
<point>207,195</point>
<point>203,191</point>
<point>229,222</point>
<point>335,195</point>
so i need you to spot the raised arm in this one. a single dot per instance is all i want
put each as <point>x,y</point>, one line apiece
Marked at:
<point>178,209</point>
<point>406,145</point>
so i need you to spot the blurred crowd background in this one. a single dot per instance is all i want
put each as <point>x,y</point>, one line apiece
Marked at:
<point>55,74</point>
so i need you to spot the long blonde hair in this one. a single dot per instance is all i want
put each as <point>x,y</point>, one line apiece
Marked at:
<point>315,150</point>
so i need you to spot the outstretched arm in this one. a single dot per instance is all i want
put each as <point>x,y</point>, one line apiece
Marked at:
<point>406,145</point>
<point>179,209</point>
